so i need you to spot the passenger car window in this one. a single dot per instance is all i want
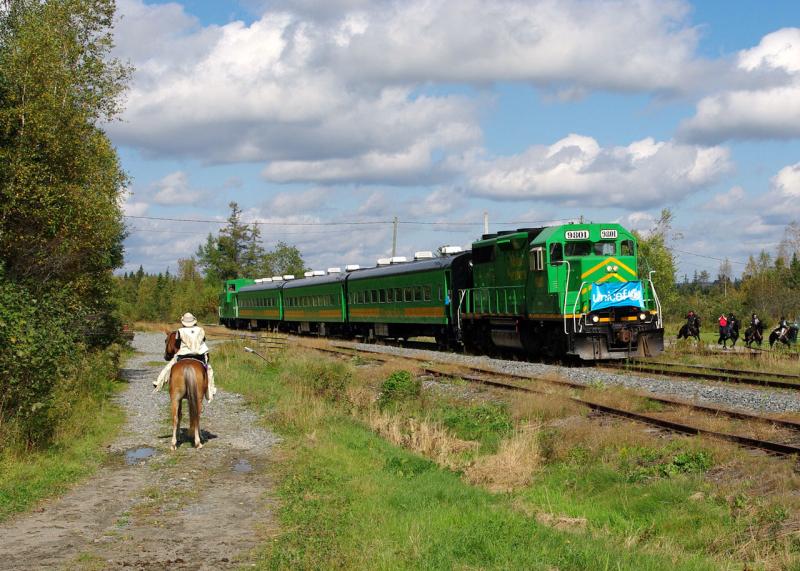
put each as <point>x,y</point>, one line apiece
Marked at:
<point>383,295</point>
<point>426,293</point>
<point>408,294</point>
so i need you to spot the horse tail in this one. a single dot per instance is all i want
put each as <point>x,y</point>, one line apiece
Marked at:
<point>190,381</point>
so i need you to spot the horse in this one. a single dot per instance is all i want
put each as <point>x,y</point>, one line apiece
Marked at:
<point>788,338</point>
<point>187,379</point>
<point>730,332</point>
<point>689,330</point>
<point>753,335</point>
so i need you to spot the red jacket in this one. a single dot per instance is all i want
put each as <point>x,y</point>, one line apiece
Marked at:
<point>723,322</point>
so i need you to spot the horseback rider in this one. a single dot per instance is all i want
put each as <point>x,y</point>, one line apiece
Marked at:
<point>782,329</point>
<point>723,328</point>
<point>693,320</point>
<point>756,329</point>
<point>733,325</point>
<point>192,345</point>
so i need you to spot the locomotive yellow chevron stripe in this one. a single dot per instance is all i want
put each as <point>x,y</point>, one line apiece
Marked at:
<point>606,262</point>
<point>607,277</point>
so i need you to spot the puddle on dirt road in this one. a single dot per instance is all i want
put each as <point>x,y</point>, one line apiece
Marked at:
<point>136,455</point>
<point>242,466</point>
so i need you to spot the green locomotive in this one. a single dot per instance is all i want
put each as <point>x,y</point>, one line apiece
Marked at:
<point>572,289</point>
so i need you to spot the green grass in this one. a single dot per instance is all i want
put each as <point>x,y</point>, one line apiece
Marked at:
<point>350,500</point>
<point>88,421</point>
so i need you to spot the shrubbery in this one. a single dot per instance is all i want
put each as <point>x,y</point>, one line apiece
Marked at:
<point>399,386</point>
<point>39,351</point>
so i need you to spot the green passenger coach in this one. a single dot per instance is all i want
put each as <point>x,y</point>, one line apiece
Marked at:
<point>407,299</point>
<point>261,305</point>
<point>315,304</point>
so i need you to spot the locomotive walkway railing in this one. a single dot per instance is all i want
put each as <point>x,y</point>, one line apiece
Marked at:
<point>501,300</point>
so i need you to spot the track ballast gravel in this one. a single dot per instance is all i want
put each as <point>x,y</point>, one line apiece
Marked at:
<point>765,400</point>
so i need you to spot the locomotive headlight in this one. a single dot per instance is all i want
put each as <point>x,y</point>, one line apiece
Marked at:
<point>642,316</point>
<point>595,318</point>
<point>616,268</point>
<point>609,268</point>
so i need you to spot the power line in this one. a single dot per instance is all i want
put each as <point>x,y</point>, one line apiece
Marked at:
<point>710,257</point>
<point>346,223</point>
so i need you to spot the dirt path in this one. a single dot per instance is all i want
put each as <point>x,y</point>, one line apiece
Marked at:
<point>152,508</point>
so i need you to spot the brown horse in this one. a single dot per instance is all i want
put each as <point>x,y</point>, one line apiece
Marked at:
<point>187,379</point>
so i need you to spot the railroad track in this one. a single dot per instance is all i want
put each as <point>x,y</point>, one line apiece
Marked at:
<point>789,381</point>
<point>507,381</point>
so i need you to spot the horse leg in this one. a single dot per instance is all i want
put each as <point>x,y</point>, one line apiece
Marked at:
<point>197,442</point>
<point>176,418</point>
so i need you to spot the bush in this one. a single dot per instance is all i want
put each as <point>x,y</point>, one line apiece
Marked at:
<point>326,379</point>
<point>400,386</point>
<point>39,350</point>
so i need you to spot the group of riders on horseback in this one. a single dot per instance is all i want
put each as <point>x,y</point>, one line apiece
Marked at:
<point>729,330</point>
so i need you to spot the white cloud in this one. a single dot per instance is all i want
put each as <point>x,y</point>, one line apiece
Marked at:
<point>436,203</point>
<point>547,42</point>
<point>576,170</point>
<point>131,207</point>
<point>725,201</point>
<point>783,197</point>
<point>375,204</point>
<point>338,94</point>
<point>286,203</point>
<point>767,110</point>
<point>174,189</point>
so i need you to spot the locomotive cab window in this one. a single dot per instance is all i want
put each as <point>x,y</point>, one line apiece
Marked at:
<point>626,248</point>
<point>556,253</point>
<point>537,259</point>
<point>577,248</point>
<point>605,248</point>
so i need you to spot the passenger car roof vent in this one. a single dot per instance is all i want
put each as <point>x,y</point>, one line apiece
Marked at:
<point>451,249</point>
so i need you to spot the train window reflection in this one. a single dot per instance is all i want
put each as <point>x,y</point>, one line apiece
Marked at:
<point>577,248</point>
<point>605,249</point>
<point>626,248</point>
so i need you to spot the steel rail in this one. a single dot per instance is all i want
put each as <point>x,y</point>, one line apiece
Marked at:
<point>747,441</point>
<point>711,373</point>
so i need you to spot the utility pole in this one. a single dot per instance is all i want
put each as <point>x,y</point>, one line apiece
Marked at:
<point>394,237</point>
<point>485,222</point>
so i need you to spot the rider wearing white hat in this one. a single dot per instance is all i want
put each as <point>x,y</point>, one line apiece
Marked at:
<point>193,342</point>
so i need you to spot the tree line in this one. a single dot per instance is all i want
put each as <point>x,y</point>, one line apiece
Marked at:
<point>236,251</point>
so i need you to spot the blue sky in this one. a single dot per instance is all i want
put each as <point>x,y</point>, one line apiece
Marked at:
<point>310,113</point>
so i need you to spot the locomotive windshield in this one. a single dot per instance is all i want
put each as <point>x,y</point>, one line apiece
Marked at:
<point>605,249</point>
<point>577,248</point>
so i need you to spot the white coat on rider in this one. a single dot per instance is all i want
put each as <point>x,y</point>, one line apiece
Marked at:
<point>193,342</point>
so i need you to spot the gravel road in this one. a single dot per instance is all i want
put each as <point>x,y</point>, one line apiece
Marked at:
<point>151,508</point>
<point>742,398</point>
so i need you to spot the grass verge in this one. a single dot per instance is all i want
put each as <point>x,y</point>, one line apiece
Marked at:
<point>376,474</point>
<point>86,421</point>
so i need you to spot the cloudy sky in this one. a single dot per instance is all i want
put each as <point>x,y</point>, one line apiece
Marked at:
<point>325,119</point>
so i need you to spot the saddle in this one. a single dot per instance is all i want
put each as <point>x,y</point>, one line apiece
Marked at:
<point>199,358</point>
